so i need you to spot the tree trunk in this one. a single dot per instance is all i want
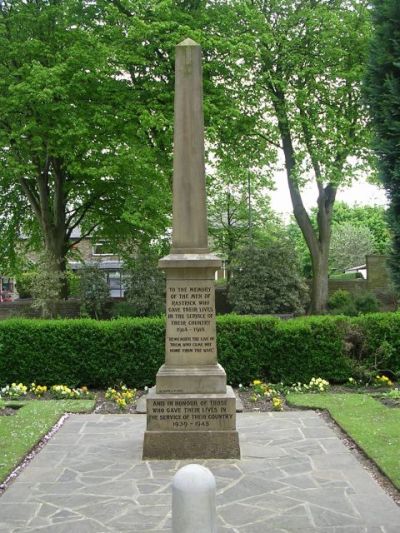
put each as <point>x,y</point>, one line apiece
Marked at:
<point>318,242</point>
<point>319,287</point>
<point>48,200</point>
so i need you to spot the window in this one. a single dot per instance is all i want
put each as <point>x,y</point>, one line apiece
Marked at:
<point>114,283</point>
<point>102,248</point>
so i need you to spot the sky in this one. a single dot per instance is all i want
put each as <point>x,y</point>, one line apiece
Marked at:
<point>360,193</point>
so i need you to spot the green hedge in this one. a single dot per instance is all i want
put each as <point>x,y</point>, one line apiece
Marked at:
<point>102,353</point>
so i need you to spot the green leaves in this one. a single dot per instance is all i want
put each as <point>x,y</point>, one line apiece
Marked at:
<point>382,91</point>
<point>267,280</point>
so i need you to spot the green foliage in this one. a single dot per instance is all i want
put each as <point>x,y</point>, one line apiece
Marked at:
<point>123,310</point>
<point>24,283</point>
<point>238,212</point>
<point>382,90</point>
<point>94,291</point>
<point>73,282</point>
<point>144,287</point>
<point>366,302</point>
<point>374,427</point>
<point>78,140</point>
<point>306,60</point>
<point>343,302</point>
<point>345,276</point>
<point>267,281</point>
<point>378,346</point>
<point>367,216</point>
<point>97,353</point>
<point>349,246</point>
<point>364,218</point>
<point>47,286</point>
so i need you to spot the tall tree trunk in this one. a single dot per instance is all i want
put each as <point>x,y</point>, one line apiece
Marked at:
<point>318,242</point>
<point>319,288</point>
<point>48,200</point>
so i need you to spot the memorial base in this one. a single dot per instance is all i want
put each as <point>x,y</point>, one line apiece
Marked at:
<point>191,426</point>
<point>204,379</point>
<point>191,445</point>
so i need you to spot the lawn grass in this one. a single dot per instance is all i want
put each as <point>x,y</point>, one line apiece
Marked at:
<point>20,432</point>
<point>375,427</point>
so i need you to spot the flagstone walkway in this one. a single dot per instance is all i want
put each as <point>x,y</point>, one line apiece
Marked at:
<point>295,476</point>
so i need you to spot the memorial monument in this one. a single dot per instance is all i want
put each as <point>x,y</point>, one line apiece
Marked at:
<point>191,413</point>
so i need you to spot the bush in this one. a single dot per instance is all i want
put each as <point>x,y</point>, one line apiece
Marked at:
<point>123,310</point>
<point>344,303</point>
<point>380,348</point>
<point>267,281</point>
<point>99,353</point>
<point>24,282</point>
<point>366,303</point>
<point>144,287</point>
<point>73,282</point>
<point>94,291</point>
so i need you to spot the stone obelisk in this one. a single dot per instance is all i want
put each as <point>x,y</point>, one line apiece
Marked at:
<point>191,413</point>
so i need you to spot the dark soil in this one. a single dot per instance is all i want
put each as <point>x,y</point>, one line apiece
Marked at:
<point>104,406</point>
<point>7,411</point>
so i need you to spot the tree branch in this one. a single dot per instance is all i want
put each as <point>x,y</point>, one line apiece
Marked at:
<point>77,241</point>
<point>121,8</point>
<point>30,194</point>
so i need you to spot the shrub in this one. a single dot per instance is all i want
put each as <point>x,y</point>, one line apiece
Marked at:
<point>99,353</point>
<point>366,303</point>
<point>46,290</point>
<point>380,348</point>
<point>73,282</point>
<point>144,288</point>
<point>94,291</point>
<point>344,303</point>
<point>267,281</point>
<point>123,310</point>
<point>24,282</point>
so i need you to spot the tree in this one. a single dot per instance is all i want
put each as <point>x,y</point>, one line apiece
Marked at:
<point>87,114</point>
<point>369,220</point>
<point>374,218</point>
<point>238,212</point>
<point>75,148</point>
<point>349,246</point>
<point>304,71</point>
<point>382,90</point>
<point>267,280</point>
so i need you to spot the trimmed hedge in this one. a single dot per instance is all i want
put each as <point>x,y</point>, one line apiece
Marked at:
<point>103,353</point>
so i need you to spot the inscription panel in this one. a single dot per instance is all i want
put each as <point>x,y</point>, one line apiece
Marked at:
<point>191,414</point>
<point>190,336</point>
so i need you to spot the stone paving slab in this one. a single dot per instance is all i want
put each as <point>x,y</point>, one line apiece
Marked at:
<point>295,476</point>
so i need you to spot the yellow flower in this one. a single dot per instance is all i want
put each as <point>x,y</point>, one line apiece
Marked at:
<point>277,404</point>
<point>257,382</point>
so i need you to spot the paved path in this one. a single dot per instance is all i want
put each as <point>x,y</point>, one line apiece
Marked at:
<point>295,476</point>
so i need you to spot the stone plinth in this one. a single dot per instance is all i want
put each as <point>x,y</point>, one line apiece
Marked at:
<point>191,413</point>
<point>191,426</point>
<point>190,343</point>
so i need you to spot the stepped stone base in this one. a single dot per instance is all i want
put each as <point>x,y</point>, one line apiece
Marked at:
<point>191,426</point>
<point>204,379</point>
<point>191,445</point>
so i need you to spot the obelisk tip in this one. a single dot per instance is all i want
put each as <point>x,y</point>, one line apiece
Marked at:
<point>188,42</point>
